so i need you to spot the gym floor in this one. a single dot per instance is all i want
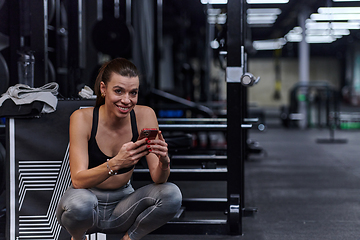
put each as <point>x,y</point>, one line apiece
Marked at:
<point>302,189</point>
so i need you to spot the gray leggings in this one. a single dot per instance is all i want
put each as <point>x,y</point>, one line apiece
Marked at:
<point>84,211</point>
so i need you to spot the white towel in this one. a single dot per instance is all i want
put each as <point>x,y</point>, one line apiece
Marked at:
<point>24,94</point>
<point>87,93</point>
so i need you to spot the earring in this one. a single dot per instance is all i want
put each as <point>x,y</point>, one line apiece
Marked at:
<point>103,95</point>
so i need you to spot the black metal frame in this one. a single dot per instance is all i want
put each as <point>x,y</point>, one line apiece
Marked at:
<point>236,112</point>
<point>76,56</point>
<point>236,129</point>
<point>39,41</point>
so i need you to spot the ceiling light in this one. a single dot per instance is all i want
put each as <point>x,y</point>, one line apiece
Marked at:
<point>215,16</point>
<point>213,11</point>
<point>337,10</point>
<point>266,1</point>
<point>333,25</point>
<point>334,17</point>
<point>346,0</point>
<point>325,32</point>
<point>345,25</point>
<point>217,19</point>
<point>317,25</point>
<point>293,37</point>
<point>320,39</point>
<point>262,16</point>
<point>264,11</point>
<point>266,18</point>
<point>297,30</point>
<point>214,1</point>
<point>260,21</point>
<point>269,44</point>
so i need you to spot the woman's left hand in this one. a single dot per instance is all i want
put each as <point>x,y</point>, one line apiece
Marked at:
<point>160,148</point>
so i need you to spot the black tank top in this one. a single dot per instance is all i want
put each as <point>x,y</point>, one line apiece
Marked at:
<point>96,156</point>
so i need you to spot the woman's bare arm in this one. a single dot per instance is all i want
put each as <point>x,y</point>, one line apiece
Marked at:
<point>158,159</point>
<point>81,176</point>
<point>80,128</point>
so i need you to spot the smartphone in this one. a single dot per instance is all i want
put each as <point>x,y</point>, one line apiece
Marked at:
<point>149,133</point>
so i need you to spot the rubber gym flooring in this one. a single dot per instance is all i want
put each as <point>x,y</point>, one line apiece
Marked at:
<point>302,189</point>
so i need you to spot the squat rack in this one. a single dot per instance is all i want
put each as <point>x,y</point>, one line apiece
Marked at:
<point>237,79</point>
<point>236,112</point>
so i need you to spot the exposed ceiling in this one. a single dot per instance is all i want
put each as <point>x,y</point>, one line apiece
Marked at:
<point>288,19</point>
<point>187,17</point>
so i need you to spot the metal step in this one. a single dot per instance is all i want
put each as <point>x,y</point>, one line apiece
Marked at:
<point>184,174</point>
<point>202,161</point>
<point>194,227</point>
<point>205,204</point>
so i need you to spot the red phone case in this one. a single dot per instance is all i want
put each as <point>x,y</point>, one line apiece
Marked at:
<point>149,133</point>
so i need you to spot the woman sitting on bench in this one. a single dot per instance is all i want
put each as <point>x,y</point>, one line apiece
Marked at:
<point>104,149</point>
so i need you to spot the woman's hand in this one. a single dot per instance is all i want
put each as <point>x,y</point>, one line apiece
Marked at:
<point>158,159</point>
<point>129,154</point>
<point>160,148</point>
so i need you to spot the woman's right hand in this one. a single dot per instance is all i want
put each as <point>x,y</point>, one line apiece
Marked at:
<point>129,154</point>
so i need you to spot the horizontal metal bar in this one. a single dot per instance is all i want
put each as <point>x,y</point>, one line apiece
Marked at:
<point>185,170</point>
<point>198,174</point>
<point>205,204</point>
<point>183,101</point>
<point>198,127</point>
<point>198,221</point>
<point>193,127</point>
<point>192,119</point>
<point>199,157</point>
<point>223,200</point>
<point>296,116</point>
<point>251,120</point>
<point>195,227</point>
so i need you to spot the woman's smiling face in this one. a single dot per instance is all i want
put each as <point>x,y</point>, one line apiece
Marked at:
<point>121,93</point>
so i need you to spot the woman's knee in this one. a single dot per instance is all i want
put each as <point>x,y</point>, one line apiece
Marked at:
<point>172,194</point>
<point>77,206</point>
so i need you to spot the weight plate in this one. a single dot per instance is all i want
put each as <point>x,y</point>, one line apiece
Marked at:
<point>4,75</point>
<point>4,41</point>
<point>112,36</point>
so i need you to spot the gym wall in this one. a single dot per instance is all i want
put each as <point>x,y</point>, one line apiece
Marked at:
<point>321,69</point>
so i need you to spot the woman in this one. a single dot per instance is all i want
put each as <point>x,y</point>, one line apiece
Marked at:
<point>103,153</point>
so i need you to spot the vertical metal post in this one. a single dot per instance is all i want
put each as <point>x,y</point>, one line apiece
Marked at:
<point>236,107</point>
<point>14,39</point>
<point>158,18</point>
<point>304,66</point>
<point>76,58</point>
<point>210,32</point>
<point>39,40</point>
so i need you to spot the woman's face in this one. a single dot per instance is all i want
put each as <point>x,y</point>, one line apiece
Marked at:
<point>121,94</point>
